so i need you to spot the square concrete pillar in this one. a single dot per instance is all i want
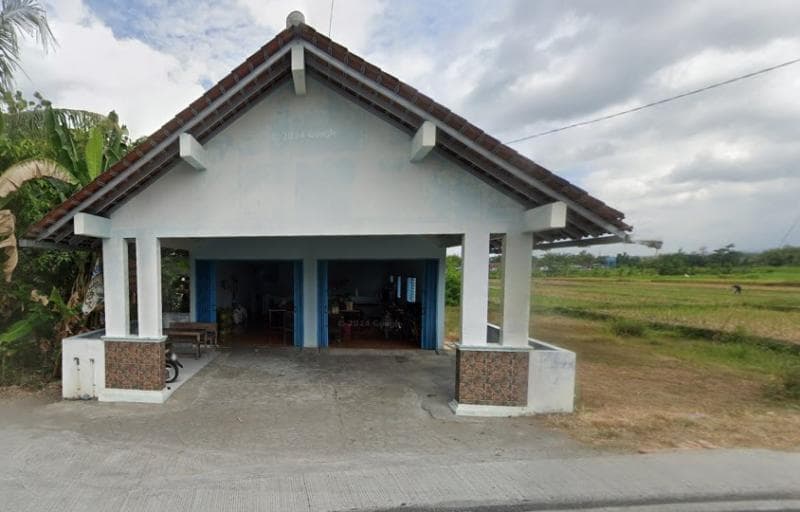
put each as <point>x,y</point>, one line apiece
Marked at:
<point>474,288</point>
<point>148,286</point>
<point>115,286</point>
<point>517,249</point>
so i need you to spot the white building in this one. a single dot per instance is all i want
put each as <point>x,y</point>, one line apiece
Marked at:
<point>309,169</point>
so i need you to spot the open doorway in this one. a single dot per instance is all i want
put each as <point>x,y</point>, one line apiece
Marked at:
<point>255,303</point>
<point>378,304</point>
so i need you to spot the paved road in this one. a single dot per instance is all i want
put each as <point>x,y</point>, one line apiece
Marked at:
<point>286,432</point>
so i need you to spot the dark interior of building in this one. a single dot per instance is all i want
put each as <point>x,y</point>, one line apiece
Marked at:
<point>255,303</point>
<point>374,304</point>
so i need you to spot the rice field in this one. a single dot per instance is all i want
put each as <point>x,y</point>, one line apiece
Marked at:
<point>762,310</point>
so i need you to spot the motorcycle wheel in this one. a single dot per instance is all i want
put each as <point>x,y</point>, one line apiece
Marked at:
<point>171,372</point>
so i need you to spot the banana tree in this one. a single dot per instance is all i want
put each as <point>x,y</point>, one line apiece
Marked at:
<point>105,142</point>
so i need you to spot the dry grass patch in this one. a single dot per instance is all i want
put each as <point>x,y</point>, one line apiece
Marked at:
<point>633,397</point>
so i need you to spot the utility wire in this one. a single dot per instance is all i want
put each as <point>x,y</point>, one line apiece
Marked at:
<point>789,231</point>
<point>655,103</point>
<point>330,21</point>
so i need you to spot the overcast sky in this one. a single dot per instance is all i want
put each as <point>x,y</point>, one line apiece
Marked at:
<point>717,168</point>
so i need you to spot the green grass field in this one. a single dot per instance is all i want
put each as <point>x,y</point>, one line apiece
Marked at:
<point>766,276</point>
<point>762,311</point>
<point>701,322</point>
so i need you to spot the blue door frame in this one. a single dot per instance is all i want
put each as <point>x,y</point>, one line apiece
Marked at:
<point>205,274</point>
<point>430,305</point>
<point>297,277</point>
<point>322,303</point>
<point>205,287</point>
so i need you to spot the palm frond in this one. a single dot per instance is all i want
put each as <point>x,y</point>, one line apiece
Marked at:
<point>8,243</point>
<point>18,174</point>
<point>17,17</point>
<point>32,123</point>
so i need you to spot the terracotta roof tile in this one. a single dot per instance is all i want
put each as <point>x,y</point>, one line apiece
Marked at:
<point>242,70</point>
<point>256,59</point>
<point>406,91</point>
<point>185,114</point>
<point>214,93</point>
<point>227,82</point>
<point>271,48</point>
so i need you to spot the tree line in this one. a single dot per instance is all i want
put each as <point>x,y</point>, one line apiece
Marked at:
<point>723,260</point>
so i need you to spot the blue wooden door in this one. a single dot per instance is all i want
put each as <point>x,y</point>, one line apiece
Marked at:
<point>429,304</point>
<point>322,303</point>
<point>206,290</point>
<point>297,275</point>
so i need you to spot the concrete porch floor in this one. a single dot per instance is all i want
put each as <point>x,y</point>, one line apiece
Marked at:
<point>387,405</point>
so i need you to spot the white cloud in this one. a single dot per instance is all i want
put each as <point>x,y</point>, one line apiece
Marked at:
<point>93,70</point>
<point>353,20</point>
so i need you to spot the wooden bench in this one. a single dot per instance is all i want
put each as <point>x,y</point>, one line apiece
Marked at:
<point>195,336</point>
<point>209,328</point>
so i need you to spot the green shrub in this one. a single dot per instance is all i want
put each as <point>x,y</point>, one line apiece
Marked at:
<point>738,335</point>
<point>790,383</point>
<point>452,282</point>
<point>626,327</point>
<point>787,386</point>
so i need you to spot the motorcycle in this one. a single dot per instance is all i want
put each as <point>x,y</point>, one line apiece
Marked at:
<point>171,369</point>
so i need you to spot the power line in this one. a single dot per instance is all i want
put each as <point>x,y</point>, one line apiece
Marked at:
<point>789,231</point>
<point>330,21</point>
<point>655,103</point>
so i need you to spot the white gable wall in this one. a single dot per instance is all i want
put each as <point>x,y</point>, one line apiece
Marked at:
<point>314,165</point>
<point>319,165</point>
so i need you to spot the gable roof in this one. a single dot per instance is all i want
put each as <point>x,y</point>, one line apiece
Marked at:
<point>589,219</point>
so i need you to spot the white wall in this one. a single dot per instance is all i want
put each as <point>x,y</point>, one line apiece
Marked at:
<point>551,379</point>
<point>83,366</point>
<point>314,165</point>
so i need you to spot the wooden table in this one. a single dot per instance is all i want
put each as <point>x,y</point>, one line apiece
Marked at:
<point>210,328</point>
<point>196,336</point>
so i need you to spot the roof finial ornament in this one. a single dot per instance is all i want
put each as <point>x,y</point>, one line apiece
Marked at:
<point>294,19</point>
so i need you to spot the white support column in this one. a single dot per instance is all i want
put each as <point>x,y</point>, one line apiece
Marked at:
<point>474,287</point>
<point>517,249</point>
<point>310,303</point>
<point>423,142</point>
<point>299,70</point>
<point>148,286</point>
<point>115,287</point>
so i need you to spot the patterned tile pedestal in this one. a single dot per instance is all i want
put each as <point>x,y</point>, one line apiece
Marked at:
<point>135,365</point>
<point>492,376</point>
